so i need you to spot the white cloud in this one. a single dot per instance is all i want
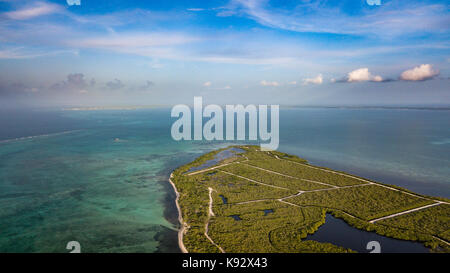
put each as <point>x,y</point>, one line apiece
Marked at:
<point>395,18</point>
<point>267,83</point>
<point>155,64</point>
<point>136,40</point>
<point>316,80</point>
<point>362,75</point>
<point>24,53</point>
<point>377,79</point>
<point>419,73</point>
<point>155,45</point>
<point>209,85</point>
<point>39,9</point>
<point>227,87</point>
<point>359,75</point>
<point>292,83</point>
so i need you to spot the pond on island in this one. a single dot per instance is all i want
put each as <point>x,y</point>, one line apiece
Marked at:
<point>224,199</point>
<point>338,232</point>
<point>267,211</point>
<point>236,217</point>
<point>217,158</point>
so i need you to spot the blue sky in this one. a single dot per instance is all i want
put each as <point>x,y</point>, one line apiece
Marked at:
<point>229,51</point>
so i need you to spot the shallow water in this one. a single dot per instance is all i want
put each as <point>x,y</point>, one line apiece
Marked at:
<point>103,186</point>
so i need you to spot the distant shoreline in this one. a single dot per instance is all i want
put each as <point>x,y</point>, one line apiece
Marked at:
<point>362,107</point>
<point>104,108</point>
<point>351,107</point>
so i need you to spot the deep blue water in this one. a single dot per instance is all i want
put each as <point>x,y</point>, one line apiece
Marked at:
<point>409,148</point>
<point>100,177</point>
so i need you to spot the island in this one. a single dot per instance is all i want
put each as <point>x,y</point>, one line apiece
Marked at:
<point>240,199</point>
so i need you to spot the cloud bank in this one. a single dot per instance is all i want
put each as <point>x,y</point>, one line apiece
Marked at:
<point>316,80</point>
<point>38,9</point>
<point>362,75</point>
<point>268,83</point>
<point>419,73</point>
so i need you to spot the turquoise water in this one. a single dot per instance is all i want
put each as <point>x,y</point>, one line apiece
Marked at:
<point>100,177</point>
<point>104,186</point>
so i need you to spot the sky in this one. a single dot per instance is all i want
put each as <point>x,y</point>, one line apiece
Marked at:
<point>303,52</point>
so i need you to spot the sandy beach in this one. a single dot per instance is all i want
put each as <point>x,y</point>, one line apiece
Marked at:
<point>183,225</point>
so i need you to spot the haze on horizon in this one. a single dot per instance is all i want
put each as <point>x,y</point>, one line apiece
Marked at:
<point>104,53</point>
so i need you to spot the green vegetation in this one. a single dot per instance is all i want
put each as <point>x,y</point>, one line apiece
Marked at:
<point>279,231</point>
<point>365,202</point>
<point>304,171</point>
<point>434,220</point>
<point>298,196</point>
<point>237,190</point>
<point>272,178</point>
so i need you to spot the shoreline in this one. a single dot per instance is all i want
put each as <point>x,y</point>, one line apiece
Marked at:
<point>183,226</point>
<point>343,180</point>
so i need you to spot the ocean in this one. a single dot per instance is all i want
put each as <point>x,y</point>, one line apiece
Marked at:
<point>100,177</point>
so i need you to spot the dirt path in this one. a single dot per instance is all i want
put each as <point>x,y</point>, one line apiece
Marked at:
<point>367,181</point>
<point>184,226</point>
<point>337,188</point>
<point>209,169</point>
<point>404,212</point>
<point>211,214</point>
<point>254,201</point>
<point>329,171</point>
<point>254,181</point>
<point>285,175</point>
<point>213,168</point>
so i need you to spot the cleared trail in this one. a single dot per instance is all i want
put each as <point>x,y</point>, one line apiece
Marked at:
<point>366,181</point>
<point>209,169</point>
<point>254,181</point>
<point>293,177</point>
<point>211,214</point>
<point>184,226</point>
<point>404,212</point>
